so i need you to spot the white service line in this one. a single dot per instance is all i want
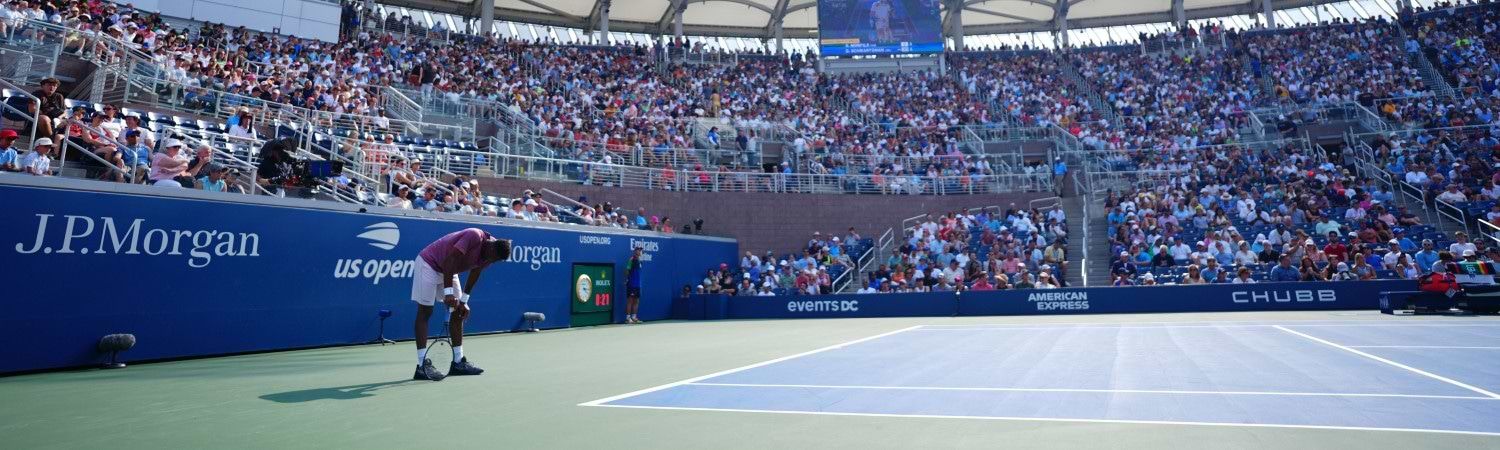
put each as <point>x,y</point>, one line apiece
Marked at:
<point>1423,346</point>
<point>1052,419</point>
<point>1226,325</point>
<point>1101,391</point>
<point>600,402</point>
<point>1267,323</point>
<point>1393,363</point>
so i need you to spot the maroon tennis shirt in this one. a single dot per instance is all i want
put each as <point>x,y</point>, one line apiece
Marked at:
<point>467,243</point>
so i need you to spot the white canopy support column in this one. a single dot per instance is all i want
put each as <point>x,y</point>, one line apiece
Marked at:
<point>779,40</point>
<point>486,17</point>
<point>956,24</point>
<point>677,23</point>
<point>1269,12</point>
<point>1179,17</point>
<point>1060,23</point>
<point>603,22</point>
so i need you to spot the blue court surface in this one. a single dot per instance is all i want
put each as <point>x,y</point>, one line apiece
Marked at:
<point>1418,375</point>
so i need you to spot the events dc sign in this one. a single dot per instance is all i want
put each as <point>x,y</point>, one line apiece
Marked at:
<point>193,277</point>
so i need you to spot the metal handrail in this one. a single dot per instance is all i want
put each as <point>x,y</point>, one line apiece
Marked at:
<point>234,161</point>
<point>907,224</point>
<point>1451,212</point>
<point>528,167</point>
<point>129,172</point>
<point>1489,230</point>
<point>30,117</point>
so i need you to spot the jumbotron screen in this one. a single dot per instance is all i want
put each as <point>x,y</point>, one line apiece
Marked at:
<point>875,27</point>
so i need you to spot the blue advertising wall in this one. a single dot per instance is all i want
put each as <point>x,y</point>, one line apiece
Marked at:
<point>1361,295</point>
<point>197,276</point>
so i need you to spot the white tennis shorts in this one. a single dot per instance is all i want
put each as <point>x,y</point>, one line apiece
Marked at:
<point>427,285</point>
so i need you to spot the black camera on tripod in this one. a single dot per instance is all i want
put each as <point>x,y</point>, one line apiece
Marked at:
<point>307,173</point>
<point>281,167</point>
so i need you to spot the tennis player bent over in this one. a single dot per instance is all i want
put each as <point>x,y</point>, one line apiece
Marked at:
<point>437,268</point>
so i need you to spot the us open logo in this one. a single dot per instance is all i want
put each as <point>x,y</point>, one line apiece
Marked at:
<point>383,235</point>
<point>584,289</point>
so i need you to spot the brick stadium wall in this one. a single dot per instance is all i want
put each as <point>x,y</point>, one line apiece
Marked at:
<point>762,221</point>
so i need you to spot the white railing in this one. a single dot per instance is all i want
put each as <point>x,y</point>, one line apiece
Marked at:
<point>1490,231</point>
<point>535,168</point>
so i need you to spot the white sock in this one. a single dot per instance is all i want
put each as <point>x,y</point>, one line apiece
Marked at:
<point>458,353</point>
<point>421,355</point>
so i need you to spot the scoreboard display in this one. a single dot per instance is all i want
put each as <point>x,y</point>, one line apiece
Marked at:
<point>593,294</point>
<point>877,27</point>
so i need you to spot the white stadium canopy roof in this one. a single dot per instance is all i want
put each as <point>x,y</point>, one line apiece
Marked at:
<point>1112,19</point>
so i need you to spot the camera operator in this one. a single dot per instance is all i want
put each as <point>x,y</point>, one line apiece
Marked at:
<point>276,164</point>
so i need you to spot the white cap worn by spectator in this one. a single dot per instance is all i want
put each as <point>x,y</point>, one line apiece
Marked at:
<point>171,143</point>
<point>41,142</point>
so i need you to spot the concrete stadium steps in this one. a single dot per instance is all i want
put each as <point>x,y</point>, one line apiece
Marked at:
<point>1073,207</point>
<point>1099,255</point>
<point>1076,79</point>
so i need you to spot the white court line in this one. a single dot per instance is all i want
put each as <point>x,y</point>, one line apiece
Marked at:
<point>1423,346</point>
<point>1101,391</point>
<point>1051,419</point>
<point>1168,327</point>
<point>600,402</point>
<point>1393,363</point>
<point>1173,327</point>
<point>1412,322</point>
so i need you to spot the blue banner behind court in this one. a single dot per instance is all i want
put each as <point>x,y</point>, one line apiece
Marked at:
<point>193,277</point>
<point>1362,295</point>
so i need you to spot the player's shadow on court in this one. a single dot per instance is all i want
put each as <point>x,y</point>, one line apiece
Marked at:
<point>352,392</point>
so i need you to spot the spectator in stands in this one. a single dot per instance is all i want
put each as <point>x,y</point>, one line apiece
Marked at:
<point>982,283</point>
<point>136,155</point>
<point>1242,276</point>
<point>746,288</point>
<point>1044,280</point>
<point>1361,269</point>
<point>1194,276</point>
<point>1342,273</point>
<point>401,199</point>
<point>1023,281</point>
<point>51,108</point>
<point>428,201</point>
<point>1309,271</point>
<point>9,157</point>
<point>1406,269</point>
<point>39,161</point>
<point>1212,272</point>
<point>1425,258</point>
<point>1284,272</point>
<point>1461,244</point>
<point>169,167</point>
<point>214,181</point>
<point>1124,265</point>
<point>244,126</point>
<point>1452,195</point>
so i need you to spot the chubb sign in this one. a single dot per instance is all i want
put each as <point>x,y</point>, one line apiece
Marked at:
<point>1286,296</point>
<point>85,235</point>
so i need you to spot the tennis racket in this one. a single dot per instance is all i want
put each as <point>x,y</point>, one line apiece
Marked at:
<point>440,351</point>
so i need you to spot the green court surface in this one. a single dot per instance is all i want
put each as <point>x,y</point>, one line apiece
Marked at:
<point>362,397</point>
